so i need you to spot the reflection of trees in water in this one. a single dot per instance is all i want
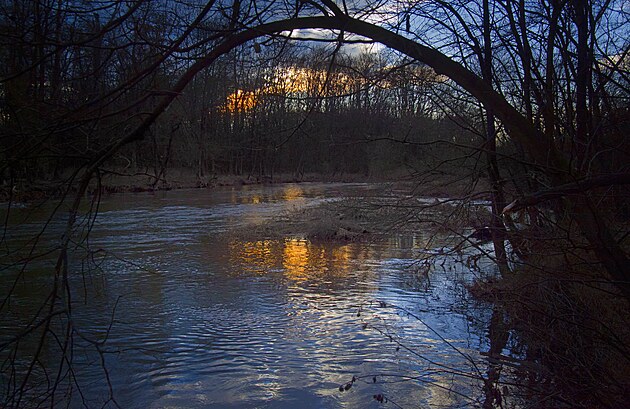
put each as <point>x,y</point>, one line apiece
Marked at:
<point>498,336</point>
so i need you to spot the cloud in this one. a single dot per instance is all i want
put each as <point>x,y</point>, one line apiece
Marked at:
<point>355,44</point>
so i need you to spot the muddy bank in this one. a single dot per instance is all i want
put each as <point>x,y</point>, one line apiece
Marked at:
<point>121,181</point>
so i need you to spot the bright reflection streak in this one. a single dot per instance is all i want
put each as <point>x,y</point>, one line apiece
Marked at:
<point>298,259</point>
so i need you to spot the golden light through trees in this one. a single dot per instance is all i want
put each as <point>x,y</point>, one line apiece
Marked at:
<point>305,82</point>
<point>240,101</point>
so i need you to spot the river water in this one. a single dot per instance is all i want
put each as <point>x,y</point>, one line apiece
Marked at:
<point>189,314</point>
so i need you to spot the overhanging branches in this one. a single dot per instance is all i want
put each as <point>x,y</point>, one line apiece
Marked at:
<point>577,187</point>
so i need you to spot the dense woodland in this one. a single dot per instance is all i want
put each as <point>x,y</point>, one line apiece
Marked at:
<point>532,97</point>
<point>284,108</point>
<point>78,76</point>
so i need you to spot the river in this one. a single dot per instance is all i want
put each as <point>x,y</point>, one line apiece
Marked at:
<point>189,315</point>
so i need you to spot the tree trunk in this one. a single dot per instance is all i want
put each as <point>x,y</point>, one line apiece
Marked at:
<point>498,201</point>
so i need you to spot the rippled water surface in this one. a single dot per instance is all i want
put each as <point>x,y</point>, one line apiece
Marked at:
<point>196,317</point>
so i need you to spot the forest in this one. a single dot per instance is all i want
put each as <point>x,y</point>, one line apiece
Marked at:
<point>523,104</point>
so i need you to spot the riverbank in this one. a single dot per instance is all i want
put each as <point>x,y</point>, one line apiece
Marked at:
<point>122,181</point>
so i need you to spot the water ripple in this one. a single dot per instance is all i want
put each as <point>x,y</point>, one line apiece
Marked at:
<point>208,322</point>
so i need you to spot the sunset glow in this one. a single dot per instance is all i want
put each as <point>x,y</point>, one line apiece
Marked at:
<point>240,101</point>
<point>301,82</point>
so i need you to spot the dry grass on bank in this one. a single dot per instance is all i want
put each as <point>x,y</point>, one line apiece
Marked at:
<point>368,219</point>
<point>344,220</point>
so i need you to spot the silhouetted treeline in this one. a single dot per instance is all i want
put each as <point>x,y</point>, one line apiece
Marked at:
<point>78,77</point>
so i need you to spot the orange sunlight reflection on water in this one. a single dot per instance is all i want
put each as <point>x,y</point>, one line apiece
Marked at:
<point>298,259</point>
